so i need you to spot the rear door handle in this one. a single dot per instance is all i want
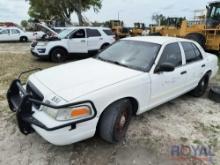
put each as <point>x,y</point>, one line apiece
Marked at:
<point>183,72</point>
<point>83,41</point>
<point>203,65</point>
<point>100,38</point>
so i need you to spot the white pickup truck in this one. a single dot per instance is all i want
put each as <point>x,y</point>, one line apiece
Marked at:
<point>71,102</point>
<point>16,34</point>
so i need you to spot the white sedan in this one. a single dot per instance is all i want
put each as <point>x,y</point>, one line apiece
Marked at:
<point>71,102</point>
<point>16,34</point>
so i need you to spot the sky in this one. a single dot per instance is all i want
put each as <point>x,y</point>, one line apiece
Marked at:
<point>129,11</point>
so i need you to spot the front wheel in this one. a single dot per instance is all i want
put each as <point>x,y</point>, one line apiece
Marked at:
<point>201,88</point>
<point>115,120</point>
<point>58,55</point>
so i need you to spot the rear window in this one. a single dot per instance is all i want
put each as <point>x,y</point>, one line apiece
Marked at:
<point>192,52</point>
<point>108,32</point>
<point>93,33</point>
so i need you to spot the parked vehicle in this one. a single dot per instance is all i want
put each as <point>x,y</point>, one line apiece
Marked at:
<point>71,102</point>
<point>16,34</point>
<point>74,40</point>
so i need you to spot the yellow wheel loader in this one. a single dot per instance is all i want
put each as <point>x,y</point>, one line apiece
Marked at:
<point>205,31</point>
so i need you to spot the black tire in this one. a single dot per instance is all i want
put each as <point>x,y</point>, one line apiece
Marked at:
<point>58,55</point>
<point>104,46</point>
<point>115,120</point>
<point>201,88</point>
<point>197,37</point>
<point>155,34</point>
<point>214,94</point>
<point>23,39</point>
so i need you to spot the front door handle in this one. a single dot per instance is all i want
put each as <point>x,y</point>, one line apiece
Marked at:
<point>183,72</point>
<point>83,40</point>
<point>203,65</point>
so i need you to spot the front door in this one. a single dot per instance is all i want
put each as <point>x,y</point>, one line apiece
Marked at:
<point>168,85</point>
<point>77,43</point>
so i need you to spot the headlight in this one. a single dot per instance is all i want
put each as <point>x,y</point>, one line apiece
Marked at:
<point>70,113</point>
<point>42,43</point>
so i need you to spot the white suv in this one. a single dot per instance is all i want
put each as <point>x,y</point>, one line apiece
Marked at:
<point>74,40</point>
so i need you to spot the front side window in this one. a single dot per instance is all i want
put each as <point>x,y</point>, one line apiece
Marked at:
<point>136,55</point>
<point>192,53</point>
<point>93,33</point>
<point>14,31</point>
<point>79,34</point>
<point>172,55</point>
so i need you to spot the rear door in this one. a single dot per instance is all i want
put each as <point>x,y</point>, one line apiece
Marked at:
<point>77,43</point>
<point>5,35</point>
<point>194,64</point>
<point>168,85</point>
<point>95,39</point>
<point>15,34</point>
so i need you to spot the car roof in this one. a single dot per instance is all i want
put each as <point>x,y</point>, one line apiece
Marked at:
<point>12,27</point>
<point>156,39</point>
<point>90,27</point>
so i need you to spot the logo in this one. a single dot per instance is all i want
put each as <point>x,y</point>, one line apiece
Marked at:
<point>192,152</point>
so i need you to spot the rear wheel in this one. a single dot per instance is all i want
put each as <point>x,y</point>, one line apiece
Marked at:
<point>114,121</point>
<point>198,38</point>
<point>201,88</point>
<point>58,55</point>
<point>104,46</point>
<point>23,39</point>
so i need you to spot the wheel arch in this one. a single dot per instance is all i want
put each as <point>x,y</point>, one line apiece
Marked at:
<point>23,36</point>
<point>105,44</point>
<point>209,73</point>
<point>134,103</point>
<point>57,47</point>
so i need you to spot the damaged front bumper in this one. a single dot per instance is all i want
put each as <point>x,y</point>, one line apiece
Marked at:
<point>21,102</point>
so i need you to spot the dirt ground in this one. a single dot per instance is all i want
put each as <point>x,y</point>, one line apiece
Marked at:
<point>184,121</point>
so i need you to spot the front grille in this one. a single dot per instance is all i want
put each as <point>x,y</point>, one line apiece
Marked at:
<point>35,93</point>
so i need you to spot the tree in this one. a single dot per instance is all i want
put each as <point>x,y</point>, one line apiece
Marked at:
<point>158,18</point>
<point>24,23</point>
<point>61,9</point>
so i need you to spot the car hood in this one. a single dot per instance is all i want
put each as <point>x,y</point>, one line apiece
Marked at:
<point>77,79</point>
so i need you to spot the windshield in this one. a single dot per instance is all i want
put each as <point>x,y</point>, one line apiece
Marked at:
<point>132,54</point>
<point>64,33</point>
<point>214,11</point>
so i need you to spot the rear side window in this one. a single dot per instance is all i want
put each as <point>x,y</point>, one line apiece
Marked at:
<point>171,54</point>
<point>93,33</point>
<point>108,32</point>
<point>192,53</point>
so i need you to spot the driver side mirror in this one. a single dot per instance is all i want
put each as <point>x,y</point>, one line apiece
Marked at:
<point>165,67</point>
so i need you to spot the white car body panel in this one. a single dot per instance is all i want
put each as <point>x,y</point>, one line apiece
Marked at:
<point>104,83</point>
